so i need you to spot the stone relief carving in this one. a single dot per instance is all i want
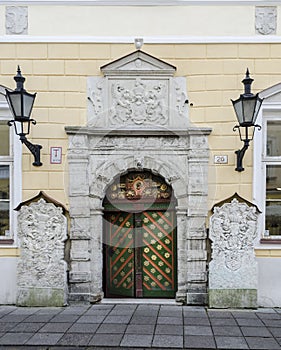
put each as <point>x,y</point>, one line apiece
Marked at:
<point>42,232</point>
<point>16,19</point>
<point>233,228</point>
<point>95,97</point>
<point>139,102</point>
<point>266,20</point>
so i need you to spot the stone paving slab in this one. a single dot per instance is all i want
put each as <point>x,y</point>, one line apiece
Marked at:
<point>140,327</point>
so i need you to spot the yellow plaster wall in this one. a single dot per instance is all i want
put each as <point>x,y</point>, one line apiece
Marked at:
<point>58,73</point>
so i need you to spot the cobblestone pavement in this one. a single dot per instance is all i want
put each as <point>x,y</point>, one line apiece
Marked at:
<point>145,326</point>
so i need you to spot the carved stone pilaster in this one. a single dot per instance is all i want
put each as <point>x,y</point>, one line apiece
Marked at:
<point>16,20</point>
<point>41,272</point>
<point>233,270</point>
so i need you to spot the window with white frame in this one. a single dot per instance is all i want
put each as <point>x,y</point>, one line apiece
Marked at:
<point>267,166</point>
<point>272,169</point>
<point>10,173</point>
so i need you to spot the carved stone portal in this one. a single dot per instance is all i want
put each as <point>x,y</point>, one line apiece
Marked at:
<point>137,120</point>
<point>233,270</point>
<point>42,231</point>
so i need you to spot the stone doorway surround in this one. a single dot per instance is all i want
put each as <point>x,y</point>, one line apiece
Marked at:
<point>137,120</point>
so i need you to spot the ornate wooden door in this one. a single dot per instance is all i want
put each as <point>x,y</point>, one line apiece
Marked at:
<point>140,247</point>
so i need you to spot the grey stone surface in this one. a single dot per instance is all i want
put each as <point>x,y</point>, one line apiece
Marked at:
<point>198,321</point>
<point>15,338</point>
<point>166,341</point>
<point>75,339</point>
<point>227,331</point>
<point>223,322</point>
<point>106,339</point>
<point>143,320</point>
<point>83,328</point>
<point>91,319</point>
<point>112,328</point>
<point>27,327</point>
<point>44,339</point>
<point>197,330</point>
<point>262,343</point>
<point>55,327</point>
<point>202,342</point>
<point>170,320</point>
<point>231,342</point>
<point>169,329</point>
<point>140,329</point>
<point>250,322</point>
<point>137,340</point>
<point>255,332</point>
<point>252,334</point>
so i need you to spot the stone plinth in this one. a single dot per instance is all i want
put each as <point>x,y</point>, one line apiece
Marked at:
<point>41,270</point>
<point>233,274</point>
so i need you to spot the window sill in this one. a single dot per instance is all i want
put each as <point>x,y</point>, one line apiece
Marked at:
<point>6,241</point>
<point>270,240</point>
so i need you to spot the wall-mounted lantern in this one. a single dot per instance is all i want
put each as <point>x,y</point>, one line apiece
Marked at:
<point>246,107</point>
<point>21,103</point>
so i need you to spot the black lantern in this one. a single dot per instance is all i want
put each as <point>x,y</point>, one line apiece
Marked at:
<point>246,107</point>
<point>21,103</point>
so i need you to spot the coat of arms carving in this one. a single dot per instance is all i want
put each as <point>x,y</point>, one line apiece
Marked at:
<point>266,20</point>
<point>139,103</point>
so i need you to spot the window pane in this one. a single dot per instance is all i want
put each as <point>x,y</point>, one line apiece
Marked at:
<point>4,199</point>
<point>4,218</point>
<point>273,200</point>
<point>4,138</point>
<point>4,182</point>
<point>273,144</point>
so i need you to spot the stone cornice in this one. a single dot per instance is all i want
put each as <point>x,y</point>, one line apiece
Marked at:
<point>130,132</point>
<point>143,2</point>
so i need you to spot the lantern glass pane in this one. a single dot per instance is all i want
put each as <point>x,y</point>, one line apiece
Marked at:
<point>27,104</point>
<point>15,104</point>
<point>238,110</point>
<point>257,108</point>
<point>249,105</point>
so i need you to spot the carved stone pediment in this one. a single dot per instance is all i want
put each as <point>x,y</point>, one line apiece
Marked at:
<point>138,63</point>
<point>137,90</point>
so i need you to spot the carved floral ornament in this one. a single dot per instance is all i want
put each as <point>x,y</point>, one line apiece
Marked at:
<point>233,228</point>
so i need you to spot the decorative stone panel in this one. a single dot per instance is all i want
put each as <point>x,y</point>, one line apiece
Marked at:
<point>137,120</point>
<point>266,20</point>
<point>41,272</point>
<point>233,274</point>
<point>16,20</point>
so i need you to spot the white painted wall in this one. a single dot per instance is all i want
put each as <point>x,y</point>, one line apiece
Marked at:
<point>8,282</point>
<point>269,282</point>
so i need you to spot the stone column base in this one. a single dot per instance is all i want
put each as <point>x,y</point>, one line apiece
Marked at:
<point>196,298</point>
<point>233,298</point>
<point>41,297</point>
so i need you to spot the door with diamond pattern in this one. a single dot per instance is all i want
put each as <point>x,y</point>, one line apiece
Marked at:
<point>140,254</point>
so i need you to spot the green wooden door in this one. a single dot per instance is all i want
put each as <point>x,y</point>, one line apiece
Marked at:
<point>140,254</point>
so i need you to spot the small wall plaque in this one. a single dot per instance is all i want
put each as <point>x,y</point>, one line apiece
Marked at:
<point>56,155</point>
<point>221,159</point>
